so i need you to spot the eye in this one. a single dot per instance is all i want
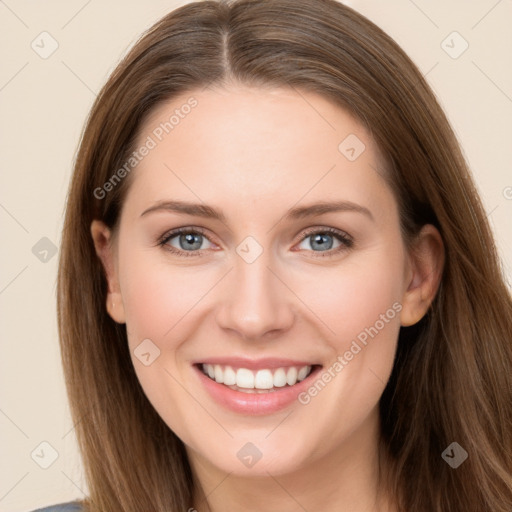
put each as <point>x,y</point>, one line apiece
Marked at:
<point>184,241</point>
<point>323,240</point>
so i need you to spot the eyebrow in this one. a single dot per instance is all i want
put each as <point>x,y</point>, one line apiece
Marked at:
<point>300,212</point>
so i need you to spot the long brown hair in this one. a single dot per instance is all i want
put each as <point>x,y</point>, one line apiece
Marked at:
<point>451,380</point>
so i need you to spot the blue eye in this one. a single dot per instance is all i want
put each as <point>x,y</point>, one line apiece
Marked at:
<point>323,239</point>
<point>189,241</point>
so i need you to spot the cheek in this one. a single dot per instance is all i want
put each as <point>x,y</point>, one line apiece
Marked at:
<point>158,297</point>
<point>354,296</point>
<point>160,301</point>
<point>361,307</point>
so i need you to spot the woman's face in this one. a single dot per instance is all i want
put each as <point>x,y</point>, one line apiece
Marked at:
<point>264,285</point>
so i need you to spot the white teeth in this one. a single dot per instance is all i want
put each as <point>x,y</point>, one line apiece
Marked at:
<point>303,373</point>
<point>280,378</point>
<point>229,376</point>
<point>264,379</point>
<point>244,378</point>
<point>219,374</point>
<point>291,376</point>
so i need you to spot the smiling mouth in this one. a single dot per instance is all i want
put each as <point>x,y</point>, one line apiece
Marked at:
<point>264,380</point>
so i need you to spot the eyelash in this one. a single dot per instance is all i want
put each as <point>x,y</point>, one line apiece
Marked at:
<point>346,241</point>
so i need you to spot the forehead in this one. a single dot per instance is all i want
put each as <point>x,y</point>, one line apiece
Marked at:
<point>246,145</point>
<point>279,120</point>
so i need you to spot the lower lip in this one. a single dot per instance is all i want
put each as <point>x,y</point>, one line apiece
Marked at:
<point>255,403</point>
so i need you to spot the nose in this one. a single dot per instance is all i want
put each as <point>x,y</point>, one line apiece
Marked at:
<point>256,304</point>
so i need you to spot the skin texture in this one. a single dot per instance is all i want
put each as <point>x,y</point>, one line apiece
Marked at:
<point>254,154</point>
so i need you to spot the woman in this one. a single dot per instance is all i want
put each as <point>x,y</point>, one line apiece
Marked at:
<point>278,288</point>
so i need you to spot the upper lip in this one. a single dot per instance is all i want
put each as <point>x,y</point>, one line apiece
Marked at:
<point>255,364</point>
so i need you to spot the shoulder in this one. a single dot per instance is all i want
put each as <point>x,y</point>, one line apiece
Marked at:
<point>71,506</point>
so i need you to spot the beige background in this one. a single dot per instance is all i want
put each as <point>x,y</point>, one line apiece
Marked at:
<point>44,104</point>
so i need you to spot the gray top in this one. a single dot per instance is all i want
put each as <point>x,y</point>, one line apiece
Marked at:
<point>70,506</point>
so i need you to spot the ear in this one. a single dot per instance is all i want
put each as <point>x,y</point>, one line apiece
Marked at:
<point>426,262</point>
<point>104,245</point>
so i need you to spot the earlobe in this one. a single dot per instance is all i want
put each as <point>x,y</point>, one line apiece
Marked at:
<point>426,268</point>
<point>103,244</point>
